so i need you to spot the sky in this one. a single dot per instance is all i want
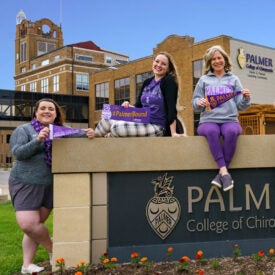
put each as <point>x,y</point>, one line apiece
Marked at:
<point>136,27</point>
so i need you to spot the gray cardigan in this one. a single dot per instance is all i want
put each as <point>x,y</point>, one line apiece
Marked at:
<point>30,166</point>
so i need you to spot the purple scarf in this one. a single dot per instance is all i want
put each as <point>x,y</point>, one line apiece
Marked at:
<point>47,142</point>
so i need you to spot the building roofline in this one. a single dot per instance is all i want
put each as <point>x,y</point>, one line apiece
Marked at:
<point>90,45</point>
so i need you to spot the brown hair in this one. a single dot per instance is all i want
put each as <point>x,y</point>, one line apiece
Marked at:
<point>59,120</point>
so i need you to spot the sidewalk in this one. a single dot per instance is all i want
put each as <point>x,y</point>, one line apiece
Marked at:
<point>4,187</point>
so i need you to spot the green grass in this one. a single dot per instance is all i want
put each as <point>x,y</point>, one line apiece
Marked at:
<point>10,242</point>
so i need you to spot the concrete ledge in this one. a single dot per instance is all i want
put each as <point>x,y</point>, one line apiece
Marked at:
<point>160,154</point>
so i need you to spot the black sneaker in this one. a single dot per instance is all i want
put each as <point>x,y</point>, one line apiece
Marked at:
<point>217,181</point>
<point>227,182</point>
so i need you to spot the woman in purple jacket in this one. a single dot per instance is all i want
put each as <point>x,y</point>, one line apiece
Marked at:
<point>159,93</point>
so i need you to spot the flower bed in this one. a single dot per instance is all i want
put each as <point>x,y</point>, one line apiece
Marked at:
<point>259,263</point>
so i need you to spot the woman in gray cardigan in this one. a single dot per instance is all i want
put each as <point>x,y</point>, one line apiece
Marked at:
<point>31,179</point>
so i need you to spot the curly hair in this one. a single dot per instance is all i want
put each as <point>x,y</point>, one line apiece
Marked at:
<point>209,55</point>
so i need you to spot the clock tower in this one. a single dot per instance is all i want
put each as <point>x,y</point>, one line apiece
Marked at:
<point>34,39</point>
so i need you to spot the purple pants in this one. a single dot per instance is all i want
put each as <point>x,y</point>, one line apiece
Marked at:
<point>222,150</point>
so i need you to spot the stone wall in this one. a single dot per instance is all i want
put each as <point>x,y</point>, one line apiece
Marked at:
<point>80,167</point>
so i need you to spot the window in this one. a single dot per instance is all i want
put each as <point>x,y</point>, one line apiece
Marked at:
<point>101,95</point>
<point>8,138</point>
<point>45,62</point>
<point>108,60</point>
<point>82,81</point>
<point>51,47</point>
<point>197,71</point>
<point>82,57</point>
<point>33,86</point>
<point>140,79</point>
<point>56,58</point>
<point>41,48</point>
<point>122,90</point>
<point>33,66</point>
<point>44,47</point>
<point>23,88</point>
<point>56,83</point>
<point>23,52</point>
<point>44,85</point>
<point>23,69</point>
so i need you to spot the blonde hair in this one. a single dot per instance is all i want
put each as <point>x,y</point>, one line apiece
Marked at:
<point>209,55</point>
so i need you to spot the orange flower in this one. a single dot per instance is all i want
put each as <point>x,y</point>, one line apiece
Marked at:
<point>134,255</point>
<point>60,260</point>
<point>78,273</point>
<point>271,251</point>
<point>184,259</point>
<point>169,249</point>
<point>105,254</point>
<point>236,246</point>
<point>200,272</point>
<point>199,254</point>
<point>80,263</point>
<point>144,259</point>
<point>261,253</point>
<point>114,259</point>
<point>105,261</point>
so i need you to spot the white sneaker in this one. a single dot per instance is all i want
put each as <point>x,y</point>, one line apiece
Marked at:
<point>32,268</point>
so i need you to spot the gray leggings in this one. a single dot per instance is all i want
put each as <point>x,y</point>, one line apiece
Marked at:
<point>120,128</point>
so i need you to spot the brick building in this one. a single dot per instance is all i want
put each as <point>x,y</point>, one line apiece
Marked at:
<point>252,63</point>
<point>43,64</point>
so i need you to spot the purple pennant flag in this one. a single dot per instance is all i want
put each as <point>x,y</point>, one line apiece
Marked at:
<point>116,112</point>
<point>61,131</point>
<point>216,100</point>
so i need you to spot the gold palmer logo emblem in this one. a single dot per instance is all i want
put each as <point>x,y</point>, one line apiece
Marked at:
<point>163,209</point>
<point>241,58</point>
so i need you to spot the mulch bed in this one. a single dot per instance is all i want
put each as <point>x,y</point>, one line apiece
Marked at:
<point>225,266</point>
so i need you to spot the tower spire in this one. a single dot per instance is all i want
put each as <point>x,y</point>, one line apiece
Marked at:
<point>20,17</point>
